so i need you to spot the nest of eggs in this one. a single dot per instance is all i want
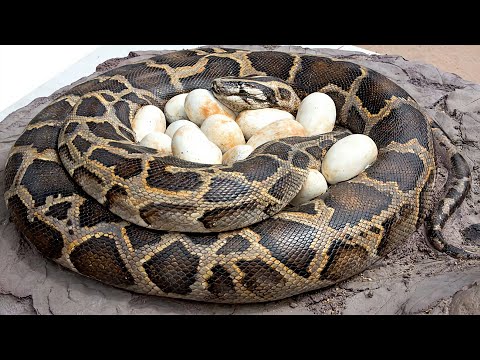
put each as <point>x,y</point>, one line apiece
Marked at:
<point>203,130</point>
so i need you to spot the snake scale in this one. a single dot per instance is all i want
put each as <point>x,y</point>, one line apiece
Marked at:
<point>292,250</point>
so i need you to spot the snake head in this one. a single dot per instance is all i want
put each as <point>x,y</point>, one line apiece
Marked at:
<point>255,92</point>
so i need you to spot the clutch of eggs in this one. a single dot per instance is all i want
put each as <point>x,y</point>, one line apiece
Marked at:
<point>203,130</point>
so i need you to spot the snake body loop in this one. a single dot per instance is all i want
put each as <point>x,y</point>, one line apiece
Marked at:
<point>82,142</point>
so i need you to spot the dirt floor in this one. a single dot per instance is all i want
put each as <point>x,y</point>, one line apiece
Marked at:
<point>463,60</point>
<point>413,279</point>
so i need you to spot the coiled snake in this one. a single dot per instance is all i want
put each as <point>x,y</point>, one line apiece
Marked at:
<point>82,142</point>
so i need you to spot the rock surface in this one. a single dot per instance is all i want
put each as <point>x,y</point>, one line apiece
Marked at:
<point>414,279</point>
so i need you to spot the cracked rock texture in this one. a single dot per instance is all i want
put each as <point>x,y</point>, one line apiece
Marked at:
<point>414,279</point>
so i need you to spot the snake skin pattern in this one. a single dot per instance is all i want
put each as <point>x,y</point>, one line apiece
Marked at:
<point>298,249</point>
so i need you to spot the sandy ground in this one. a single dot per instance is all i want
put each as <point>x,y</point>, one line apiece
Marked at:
<point>463,60</point>
<point>414,279</point>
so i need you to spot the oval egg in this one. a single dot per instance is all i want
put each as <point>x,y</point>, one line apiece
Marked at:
<point>222,131</point>
<point>317,114</point>
<point>251,121</point>
<point>348,157</point>
<point>173,127</point>
<point>200,104</point>
<point>175,108</point>
<point>148,119</point>
<point>159,141</point>
<point>315,185</point>
<point>276,130</point>
<point>190,144</point>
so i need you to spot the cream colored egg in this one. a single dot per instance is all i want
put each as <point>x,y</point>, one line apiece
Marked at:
<point>173,127</point>
<point>190,144</point>
<point>348,157</point>
<point>276,130</point>
<point>175,108</point>
<point>200,104</point>
<point>237,153</point>
<point>223,131</point>
<point>148,119</point>
<point>159,141</point>
<point>251,121</point>
<point>317,114</point>
<point>315,185</point>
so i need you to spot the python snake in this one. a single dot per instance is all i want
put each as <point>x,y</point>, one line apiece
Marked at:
<point>114,237</point>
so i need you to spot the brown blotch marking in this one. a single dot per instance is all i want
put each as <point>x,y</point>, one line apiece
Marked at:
<point>81,144</point>
<point>59,211</point>
<point>375,89</point>
<point>255,169</point>
<point>115,196</point>
<point>389,225</point>
<point>259,277</point>
<point>11,169</point>
<point>92,213</point>
<point>104,130</point>
<point>56,112</point>
<point>284,186</point>
<point>289,242</point>
<point>71,127</point>
<point>211,218</point>
<point>127,168</point>
<point>44,178</point>
<point>315,151</point>
<point>216,67</point>
<point>140,236</point>
<point>91,107</point>
<point>99,258</point>
<point>47,240</point>
<point>425,199</point>
<point>355,121</point>
<point>278,149</point>
<point>114,86</point>
<point>131,148</point>
<point>220,283</point>
<point>122,111</point>
<point>340,73</point>
<point>202,239</point>
<point>300,160</point>
<point>353,202</point>
<point>410,169</point>
<point>41,138</point>
<point>155,213</point>
<point>85,177</point>
<point>108,97</point>
<point>274,63</point>
<point>135,99</point>
<point>105,157</point>
<point>402,124</point>
<point>173,269</point>
<point>160,178</point>
<point>178,58</point>
<point>222,189</point>
<point>308,208</point>
<point>65,154</point>
<point>343,261</point>
<point>127,135</point>
<point>236,243</point>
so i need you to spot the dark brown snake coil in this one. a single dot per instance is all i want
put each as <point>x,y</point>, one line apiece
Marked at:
<point>296,250</point>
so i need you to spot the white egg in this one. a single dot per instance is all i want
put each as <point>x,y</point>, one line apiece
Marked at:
<point>348,157</point>
<point>190,144</point>
<point>222,131</point>
<point>173,127</point>
<point>237,153</point>
<point>315,185</point>
<point>159,141</point>
<point>148,119</point>
<point>251,121</point>
<point>200,104</point>
<point>317,114</point>
<point>175,108</point>
<point>276,130</point>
